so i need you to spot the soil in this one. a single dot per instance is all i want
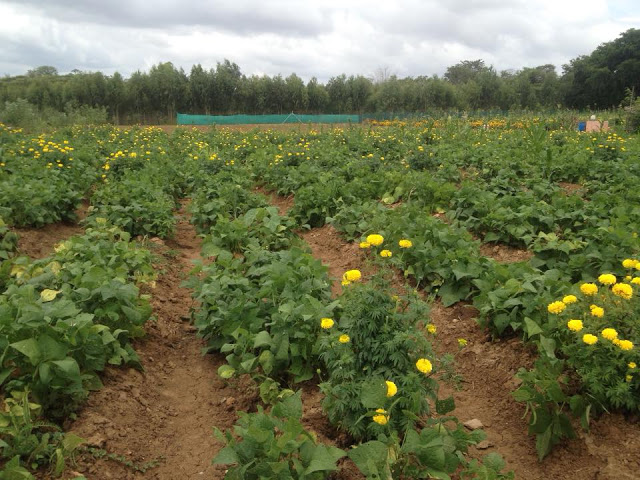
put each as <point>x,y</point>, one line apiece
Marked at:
<point>505,253</point>
<point>39,242</point>
<point>162,419</point>
<point>572,188</point>
<point>284,204</point>
<point>327,245</point>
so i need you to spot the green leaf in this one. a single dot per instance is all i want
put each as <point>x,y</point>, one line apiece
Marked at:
<point>71,442</point>
<point>262,339</point>
<point>28,348</point>
<point>324,459</point>
<point>290,407</point>
<point>548,346</point>
<point>225,456</point>
<point>69,367</point>
<point>226,371</point>
<point>531,327</point>
<point>494,462</point>
<point>370,458</point>
<point>374,394</point>
<point>445,406</point>
<point>50,349</point>
<point>543,442</point>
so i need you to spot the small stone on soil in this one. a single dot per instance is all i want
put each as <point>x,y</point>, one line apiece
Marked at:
<point>483,445</point>
<point>473,424</point>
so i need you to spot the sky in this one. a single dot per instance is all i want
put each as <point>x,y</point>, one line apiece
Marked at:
<point>307,37</point>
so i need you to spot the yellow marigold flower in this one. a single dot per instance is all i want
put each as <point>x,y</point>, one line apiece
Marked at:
<point>462,342</point>
<point>47,294</point>
<point>636,281</point>
<point>574,325</point>
<point>607,279</point>
<point>431,328</point>
<point>345,282</point>
<point>623,290</point>
<point>616,342</point>
<point>629,263</point>
<point>326,323</point>
<point>609,333</point>
<point>352,276</point>
<point>569,299</point>
<point>365,245</point>
<point>589,288</point>
<point>382,417</point>
<point>386,253</point>
<point>391,388</point>
<point>375,239</point>
<point>625,345</point>
<point>404,243</point>
<point>344,338</point>
<point>589,339</point>
<point>556,307</point>
<point>424,365</point>
<point>597,311</point>
<point>628,378</point>
<point>632,365</point>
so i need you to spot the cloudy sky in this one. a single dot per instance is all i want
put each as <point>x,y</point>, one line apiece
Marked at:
<point>308,37</point>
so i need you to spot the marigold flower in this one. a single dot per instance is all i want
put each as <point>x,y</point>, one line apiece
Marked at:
<point>345,282</point>
<point>632,365</point>
<point>609,333</point>
<point>352,276</point>
<point>375,239</point>
<point>431,328</point>
<point>574,325</point>
<point>589,339</point>
<point>326,323</point>
<point>391,388</point>
<point>556,307</point>
<point>625,345</point>
<point>382,418</point>
<point>628,378</point>
<point>636,281</point>
<point>462,342</point>
<point>365,245</point>
<point>386,253</point>
<point>623,290</point>
<point>629,263</point>
<point>404,243</point>
<point>47,294</point>
<point>589,288</point>
<point>607,279</point>
<point>344,338</point>
<point>597,311</point>
<point>616,342</point>
<point>569,299</point>
<point>424,365</point>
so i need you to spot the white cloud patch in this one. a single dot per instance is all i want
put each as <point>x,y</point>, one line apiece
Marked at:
<point>322,39</point>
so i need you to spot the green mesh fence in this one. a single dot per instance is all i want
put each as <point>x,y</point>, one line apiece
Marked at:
<point>186,119</point>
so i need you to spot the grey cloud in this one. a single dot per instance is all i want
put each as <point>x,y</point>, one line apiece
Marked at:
<point>241,17</point>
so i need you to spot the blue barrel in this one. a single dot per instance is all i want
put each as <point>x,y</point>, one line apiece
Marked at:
<point>582,126</point>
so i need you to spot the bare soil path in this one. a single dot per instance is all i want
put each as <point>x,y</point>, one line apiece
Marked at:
<point>161,420</point>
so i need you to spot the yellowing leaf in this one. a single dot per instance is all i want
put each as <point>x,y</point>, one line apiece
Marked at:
<point>47,294</point>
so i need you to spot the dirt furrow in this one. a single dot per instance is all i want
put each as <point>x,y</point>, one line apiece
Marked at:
<point>159,422</point>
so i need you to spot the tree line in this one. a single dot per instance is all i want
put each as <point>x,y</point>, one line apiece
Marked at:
<point>607,77</point>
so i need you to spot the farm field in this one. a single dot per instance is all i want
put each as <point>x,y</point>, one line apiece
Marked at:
<point>440,299</point>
